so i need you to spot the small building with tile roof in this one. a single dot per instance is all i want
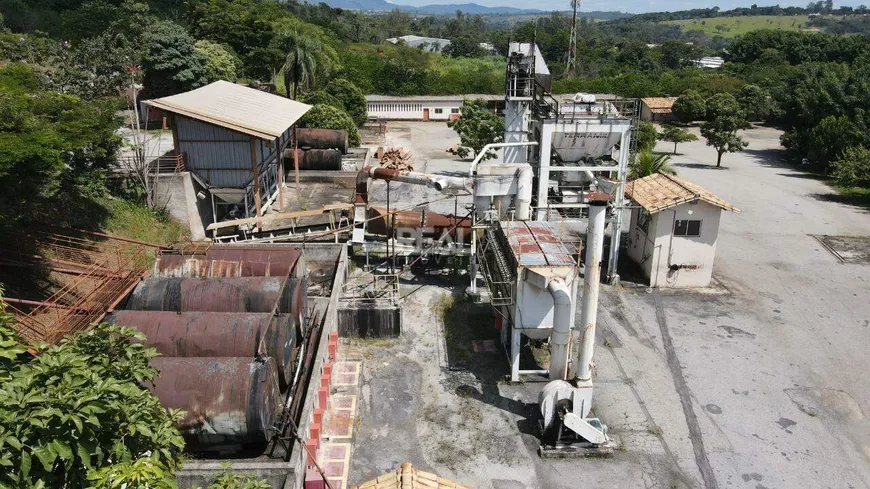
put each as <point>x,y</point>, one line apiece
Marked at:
<point>407,477</point>
<point>657,109</point>
<point>673,230</point>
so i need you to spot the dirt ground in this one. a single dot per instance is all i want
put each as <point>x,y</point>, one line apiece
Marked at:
<point>759,382</point>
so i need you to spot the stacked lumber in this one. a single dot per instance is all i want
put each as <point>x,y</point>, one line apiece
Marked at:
<point>397,159</point>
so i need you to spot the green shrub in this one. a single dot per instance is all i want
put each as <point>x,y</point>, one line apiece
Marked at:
<point>852,168</point>
<point>329,117</point>
<point>320,97</point>
<point>78,414</point>
<point>351,97</point>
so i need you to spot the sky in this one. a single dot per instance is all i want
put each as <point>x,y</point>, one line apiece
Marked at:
<point>632,6</point>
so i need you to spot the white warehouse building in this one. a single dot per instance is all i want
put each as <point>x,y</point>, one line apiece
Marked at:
<point>674,230</point>
<point>423,107</point>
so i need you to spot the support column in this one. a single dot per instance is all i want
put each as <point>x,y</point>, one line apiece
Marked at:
<point>546,150</point>
<point>618,203</point>
<point>516,336</point>
<point>591,285</point>
<point>255,174</point>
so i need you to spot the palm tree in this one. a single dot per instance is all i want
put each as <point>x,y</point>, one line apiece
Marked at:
<point>308,59</point>
<point>647,163</point>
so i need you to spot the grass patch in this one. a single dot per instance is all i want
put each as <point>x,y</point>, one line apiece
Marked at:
<point>854,196</point>
<point>735,26</point>
<point>135,221</point>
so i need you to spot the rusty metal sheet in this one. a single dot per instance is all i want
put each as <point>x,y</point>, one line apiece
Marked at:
<point>230,261</point>
<point>249,294</point>
<point>535,244</point>
<point>225,400</point>
<point>218,334</point>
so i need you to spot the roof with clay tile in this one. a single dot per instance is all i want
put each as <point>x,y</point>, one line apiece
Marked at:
<point>407,477</point>
<point>658,192</point>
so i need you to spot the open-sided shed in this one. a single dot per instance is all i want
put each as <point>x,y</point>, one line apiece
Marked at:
<point>231,138</point>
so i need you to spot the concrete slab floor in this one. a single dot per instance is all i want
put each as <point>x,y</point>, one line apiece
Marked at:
<point>762,384</point>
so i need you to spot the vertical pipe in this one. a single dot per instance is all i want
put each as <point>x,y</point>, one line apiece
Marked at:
<point>591,284</point>
<point>561,335</point>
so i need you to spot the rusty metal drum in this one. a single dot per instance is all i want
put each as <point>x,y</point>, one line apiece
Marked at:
<point>227,401</point>
<point>229,261</point>
<point>318,138</point>
<point>218,334</point>
<point>249,294</point>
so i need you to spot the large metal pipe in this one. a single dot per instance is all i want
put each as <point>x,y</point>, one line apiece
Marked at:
<point>254,294</point>
<point>441,183</point>
<point>479,157</point>
<point>591,285</point>
<point>217,334</point>
<point>226,401</point>
<point>561,335</point>
<point>430,224</point>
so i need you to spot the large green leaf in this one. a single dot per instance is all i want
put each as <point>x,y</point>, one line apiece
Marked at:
<point>46,456</point>
<point>25,464</point>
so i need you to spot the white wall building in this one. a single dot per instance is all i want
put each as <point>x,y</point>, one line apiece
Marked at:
<point>673,233</point>
<point>421,108</point>
<point>431,44</point>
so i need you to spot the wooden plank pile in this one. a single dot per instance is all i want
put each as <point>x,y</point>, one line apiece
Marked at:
<point>397,159</point>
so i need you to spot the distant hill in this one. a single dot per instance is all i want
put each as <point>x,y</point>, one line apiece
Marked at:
<point>382,5</point>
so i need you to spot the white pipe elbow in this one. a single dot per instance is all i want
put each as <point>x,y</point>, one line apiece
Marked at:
<point>561,334</point>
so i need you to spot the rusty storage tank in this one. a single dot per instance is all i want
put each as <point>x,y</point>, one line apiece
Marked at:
<point>230,262</point>
<point>316,138</point>
<point>249,294</point>
<point>218,334</point>
<point>297,294</point>
<point>316,159</point>
<point>226,401</point>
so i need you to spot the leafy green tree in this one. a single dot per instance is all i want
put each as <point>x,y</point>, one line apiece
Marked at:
<point>690,106</point>
<point>647,163</point>
<point>50,144</point>
<point>464,46</point>
<point>320,97</point>
<point>329,117</point>
<point>676,135</point>
<point>221,63</point>
<point>852,168</point>
<point>477,126</point>
<point>755,102</point>
<point>79,412</point>
<point>828,139</point>
<point>646,136</point>
<point>351,97</point>
<point>170,62</point>
<point>721,131</point>
<point>228,480</point>
<point>723,105</point>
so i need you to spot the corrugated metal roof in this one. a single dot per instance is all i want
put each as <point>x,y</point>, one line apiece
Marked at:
<point>535,244</point>
<point>407,477</point>
<point>659,102</point>
<point>236,107</point>
<point>658,192</point>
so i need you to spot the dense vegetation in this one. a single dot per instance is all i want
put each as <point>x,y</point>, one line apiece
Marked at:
<point>78,414</point>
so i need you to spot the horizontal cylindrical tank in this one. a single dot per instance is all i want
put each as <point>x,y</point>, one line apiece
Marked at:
<point>250,294</point>
<point>317,138</point>
<point>217,334</point>
<point>297,292</point>
<point>315,159</point>
<point>229,262</point>
<point>432,224</point>
<point>226,401</point>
